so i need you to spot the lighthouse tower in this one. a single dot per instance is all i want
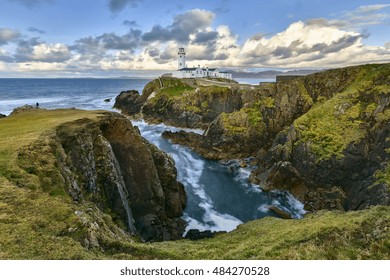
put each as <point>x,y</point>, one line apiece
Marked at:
<point>181,63</point>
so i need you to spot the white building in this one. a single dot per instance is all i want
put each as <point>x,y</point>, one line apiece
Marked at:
<point>197,72</point>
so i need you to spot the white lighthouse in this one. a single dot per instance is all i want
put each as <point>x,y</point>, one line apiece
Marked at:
<point>196,72</point>
<point>181,63</point>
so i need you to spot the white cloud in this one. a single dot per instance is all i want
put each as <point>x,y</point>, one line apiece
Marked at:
<point>3,66</point>
<point>363,16</point>
<point>41,66</point>
<point>308,45</point>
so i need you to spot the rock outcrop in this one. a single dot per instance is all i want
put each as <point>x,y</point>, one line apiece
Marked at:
<point>340,148</point>
<point>106,162</point>
<point>180,102</point>
<point>323,137</point>
<point>130,102</point>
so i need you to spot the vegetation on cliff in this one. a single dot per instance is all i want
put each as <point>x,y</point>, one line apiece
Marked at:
<point>329,130</point>
<point>40,218</point>
<point>181,102</point>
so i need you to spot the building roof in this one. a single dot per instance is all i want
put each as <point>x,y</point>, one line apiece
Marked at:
<point>195,68</point>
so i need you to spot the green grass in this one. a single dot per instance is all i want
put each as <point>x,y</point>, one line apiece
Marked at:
<point>25,128</point>
<point>382,176</point>
<point>175,91</point>
<point>324,235</point>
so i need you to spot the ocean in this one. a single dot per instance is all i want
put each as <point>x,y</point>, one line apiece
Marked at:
<point>86,94</point>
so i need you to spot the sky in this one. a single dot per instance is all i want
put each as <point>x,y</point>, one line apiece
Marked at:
<point>107,38</point>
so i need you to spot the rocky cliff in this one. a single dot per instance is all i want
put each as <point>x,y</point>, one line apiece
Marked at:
<point>181,102</point>
<point>323,137</point>
<point>107,163</point>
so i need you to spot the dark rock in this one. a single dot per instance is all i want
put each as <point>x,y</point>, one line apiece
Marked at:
<point>331,198</point>
<point>2,116</point>
<point>129,102</point>
<point>357,169</point>
<point>107,100</point>
<point>281,213</point>
<point>195,234</point>
<point>195,106</point>
<point>109,163</point>
<point>283,176</point>
<point>23,108</point>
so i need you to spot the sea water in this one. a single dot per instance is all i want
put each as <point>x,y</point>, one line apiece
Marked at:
<point>220,196</point>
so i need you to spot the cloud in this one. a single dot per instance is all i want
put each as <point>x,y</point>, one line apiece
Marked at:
<point>387,45</point>
<point>367,15</point>
<point>360,17</point>
<point>205,37</point>
<point>310,45</point>
<point>223,7</point>
<point>5,57</point>
<point>182,27</point>
<point>131,23</point>
<point>30,3</point>
<point>34,29</point>
<point>118,5</point>
<point>35,50</point>
<point>107,41</point>
<point>8,35</point>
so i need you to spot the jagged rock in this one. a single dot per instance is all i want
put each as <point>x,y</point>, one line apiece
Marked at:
<point>357,161</point>
<point>278,124</point>
<point>180,102</point>
<point>129,102</point>
<point>2,116</point>
<point>23,108</point>
<point>281,213</point>
<point>196,234</point>
<point>107,100</point>
<point>108,163</point>
<point>283,176</point>
<point>325,198</point>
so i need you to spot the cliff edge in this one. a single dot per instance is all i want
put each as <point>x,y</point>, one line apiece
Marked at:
<point>99,159</point>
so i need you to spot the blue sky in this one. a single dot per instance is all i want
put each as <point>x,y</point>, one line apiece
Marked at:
<point>123,37</point>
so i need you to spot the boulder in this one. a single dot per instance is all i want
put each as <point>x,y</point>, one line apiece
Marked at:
<point>196,234</point>
<point>129,102</point>
<point>283,176</point>
<point>23,108</point>
<point>280,212</point>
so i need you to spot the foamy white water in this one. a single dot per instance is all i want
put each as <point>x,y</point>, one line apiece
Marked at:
<point>220,196</point>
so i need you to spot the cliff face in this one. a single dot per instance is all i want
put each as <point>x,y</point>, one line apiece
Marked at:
<point>107,163</point>
<point>340,148</point>
<point>181,102</point>
<point>323,137</point>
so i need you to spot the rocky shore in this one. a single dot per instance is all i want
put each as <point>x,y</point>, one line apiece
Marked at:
<point>323,137</point>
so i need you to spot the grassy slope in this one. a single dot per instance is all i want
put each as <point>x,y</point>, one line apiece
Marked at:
<point>330,126</point>
<point>36,225</point>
